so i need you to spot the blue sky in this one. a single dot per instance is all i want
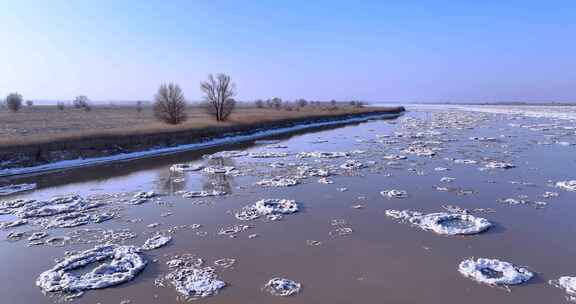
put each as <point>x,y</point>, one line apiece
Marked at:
<point>401,51</point>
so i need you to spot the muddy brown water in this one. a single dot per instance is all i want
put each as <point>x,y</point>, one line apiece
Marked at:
<point>381,261</point>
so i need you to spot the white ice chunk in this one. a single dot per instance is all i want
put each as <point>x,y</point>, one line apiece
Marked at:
<point>494,272</point>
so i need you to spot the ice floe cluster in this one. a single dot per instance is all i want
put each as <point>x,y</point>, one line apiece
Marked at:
<point>190,278</point>
<point>273,208</point>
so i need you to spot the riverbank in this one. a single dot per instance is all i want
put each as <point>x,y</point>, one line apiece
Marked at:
<point>128,143</point>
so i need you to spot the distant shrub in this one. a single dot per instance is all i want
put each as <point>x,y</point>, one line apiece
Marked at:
<point>333,104</point>
<point>302,102</point>
<point>60,105</point>
<point>14,102</point>
<point>259,103</point>
<point>139,106</point>
<point>170,104</point>
<point>29,103</point>
<point>81,102</point>
<point>276,103</point>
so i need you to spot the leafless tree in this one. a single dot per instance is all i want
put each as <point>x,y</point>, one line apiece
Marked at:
<point>60,105</point>
<point>276,102</point>
<point>302,102</point>
<point>139,107</point>
<point>259,103</point>
<point>170,104</point>
<point>14,102</point>
<point>81,102</point>
<point>218,92</point>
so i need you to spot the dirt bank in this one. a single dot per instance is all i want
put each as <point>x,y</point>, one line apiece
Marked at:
<point>106,144</point>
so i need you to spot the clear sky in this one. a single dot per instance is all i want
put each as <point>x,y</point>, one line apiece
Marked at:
<point>400,51</point>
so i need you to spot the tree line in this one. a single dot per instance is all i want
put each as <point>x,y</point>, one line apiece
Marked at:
<point>169,103</point>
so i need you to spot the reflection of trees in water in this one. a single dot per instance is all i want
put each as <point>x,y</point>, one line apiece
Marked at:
<point>218,181</point>
<point>165,182</point>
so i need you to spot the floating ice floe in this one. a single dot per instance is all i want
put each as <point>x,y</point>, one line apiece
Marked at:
<point>394,193</point>
<point>225,262</point>
<point>11,224</point>
<point>494,272</point>
<point>319,154</point>
<point>282,287</point>
<point>307,171</point>
<point>202,193</point>
<point>57,205</point>
<point>352,165</point>
<point>227,154</point>
<point>269,207</point>
<point>13,189</point>
<point>395,157</point>
<point>465,161</point>
<point>419,151</point>
<point>186,167</point>
<point>74,219</point>
<point>141,197</point>
<point>156,241</point>
<point>125,263</point>
<point>278,181</point>
<point>442,222</point>
<point>268,154</point>
<point>275,206</point>
<point>219,169</point>
<point>193,281</point>
<point>447,179</point>
<point>499,165</point>
<point>568,185</point>
<point>568,284</point>
<point>325,181</point>
<point>35,236</point>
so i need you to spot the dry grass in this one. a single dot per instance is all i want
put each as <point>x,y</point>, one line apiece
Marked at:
<point>42,124</point>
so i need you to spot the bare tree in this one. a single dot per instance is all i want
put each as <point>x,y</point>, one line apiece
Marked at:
<point>276,102</point>
<point>302,102</point>
<point>60,105</point>
<point>139,107</point>
<point>81,102</point>
<point>218,93</point>
<point>259,103</point>
<point>14,102</point>
<point>170,104</point>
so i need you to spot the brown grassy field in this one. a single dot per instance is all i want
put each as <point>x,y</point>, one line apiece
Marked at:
<point>42,124</point>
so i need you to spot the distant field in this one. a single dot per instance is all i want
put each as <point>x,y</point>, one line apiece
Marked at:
<point>41,124</point>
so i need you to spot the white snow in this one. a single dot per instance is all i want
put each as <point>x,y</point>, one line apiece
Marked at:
<point>12,189</point>
<point>494,272</point>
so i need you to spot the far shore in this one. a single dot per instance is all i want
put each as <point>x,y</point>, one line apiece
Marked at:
<point>42,135</point>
